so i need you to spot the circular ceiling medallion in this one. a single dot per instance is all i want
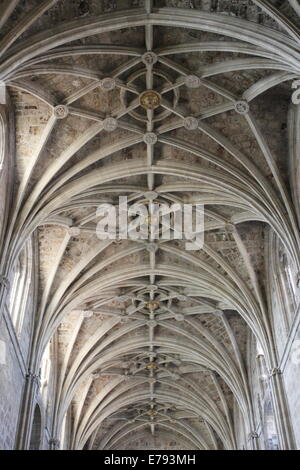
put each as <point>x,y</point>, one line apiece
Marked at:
<point>190,123</point>
<point>151,366</point>
<point>150,138</point>
<point>149,58</point>
<point>192,81</point>
<point>107,84</point>
<point>61,111</point>
<point>152,413</point>
<point>150,100</point>
<point>110,124</point>
<point>242,107</point>
<point>152,305</point>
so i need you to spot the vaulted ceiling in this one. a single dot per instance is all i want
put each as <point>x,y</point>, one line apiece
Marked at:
<point>149,339</point>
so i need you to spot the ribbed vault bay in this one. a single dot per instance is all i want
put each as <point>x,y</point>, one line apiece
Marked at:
<point>141,343</point>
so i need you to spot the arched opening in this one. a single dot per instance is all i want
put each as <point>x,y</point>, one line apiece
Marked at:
<point>36,430</point>
<point>20,287</point>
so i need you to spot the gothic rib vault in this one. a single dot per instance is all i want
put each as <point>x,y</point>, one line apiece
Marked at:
<point>145,343</point>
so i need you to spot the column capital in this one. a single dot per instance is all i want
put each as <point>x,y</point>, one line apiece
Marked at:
<point>34,378</point>
<point>275,371</point>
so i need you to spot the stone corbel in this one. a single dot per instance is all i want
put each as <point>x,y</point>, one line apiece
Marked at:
<point>253,435</point>
<point>275,371</point>
<point>34,378</point>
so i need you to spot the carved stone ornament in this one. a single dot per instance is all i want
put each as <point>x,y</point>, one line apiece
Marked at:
<point>149,58</point>
<point>108,84</point>
<point>190,123</point>
<point>192,81</point>
<point>150,100</point>
<point>110,124</point>
<point>61,111</point>
<point>242,107</point>
<point>150,138</point>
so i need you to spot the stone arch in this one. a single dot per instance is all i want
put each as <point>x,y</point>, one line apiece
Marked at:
<point>78,293</point>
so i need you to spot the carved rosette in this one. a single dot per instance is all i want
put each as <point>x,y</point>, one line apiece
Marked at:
<point>108,84</point>
<point>242,107</point>
<point>149,58</point>
<point>192,81</point>
<point>110,124</point>
<point>190,123</point>
<point>61,111</point>
<point>152,305</point>
<point>150,100</point>
<point>150,138</point>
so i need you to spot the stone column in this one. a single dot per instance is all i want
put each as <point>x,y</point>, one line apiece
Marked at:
<point>4,151</point>
<point>281,410</point>
<point>31,388</point>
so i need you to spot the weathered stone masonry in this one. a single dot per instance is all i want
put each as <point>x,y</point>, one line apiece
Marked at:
<point>141,344</point>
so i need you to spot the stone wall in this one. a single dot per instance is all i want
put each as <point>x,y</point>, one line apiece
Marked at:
<point>291,372</point>
<point>12,371</point>
<point>287,339</point>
